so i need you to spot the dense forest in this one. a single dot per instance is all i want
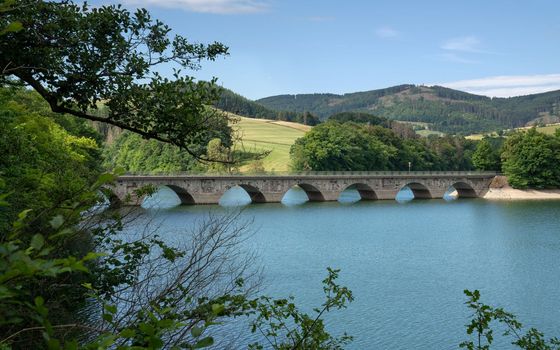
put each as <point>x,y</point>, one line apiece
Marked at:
<point>446,109</point>
<point>231,102</point>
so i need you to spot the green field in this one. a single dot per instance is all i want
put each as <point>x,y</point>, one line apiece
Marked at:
<point>269,135</point>
<point>423,129</point>
<point>548,129</point>
<point>426,133</point>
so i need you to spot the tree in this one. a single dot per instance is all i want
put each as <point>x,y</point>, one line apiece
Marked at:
<point>336,146</point>
<point>42,162</point>
<point>77,57</point>
<point>485,157</point>
<point>216,150</point>
<point>530,160</point>
<point>133,154</point>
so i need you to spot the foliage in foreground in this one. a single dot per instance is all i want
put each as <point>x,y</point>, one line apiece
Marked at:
<point>46,159</point>
<point>78,56</point>
<point>141,292</point>
<point>484,316</point>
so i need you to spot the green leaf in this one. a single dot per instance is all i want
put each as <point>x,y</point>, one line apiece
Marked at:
<point>204,343</point>
<point>56,221</point>
<point>37,242</point>
<point>112,309</point>
<point>196,331</point>
<point>128,333</point>
<point>12,27</point>
<point>22,215</point>
<point>217,309</point>
<point>71,345</point>
<point>53,344</point>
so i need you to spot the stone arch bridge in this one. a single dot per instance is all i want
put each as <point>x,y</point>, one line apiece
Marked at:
<point>319,186</point>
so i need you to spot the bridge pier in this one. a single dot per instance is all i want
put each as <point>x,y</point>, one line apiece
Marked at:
<point>386,194</point>
<point>273,197</point>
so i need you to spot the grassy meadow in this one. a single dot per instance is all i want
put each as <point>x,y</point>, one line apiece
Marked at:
<point>548,129</point>
<point>257,135</point>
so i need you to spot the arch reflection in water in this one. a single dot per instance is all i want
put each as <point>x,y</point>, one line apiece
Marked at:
<point>236,196</point>
<point>167,197</point>
<point>302,193</point>
<point>413,190</point>
<point>459,190</point>
<point>451,194</point>
<point>357,192</point>
<point>240,195</point>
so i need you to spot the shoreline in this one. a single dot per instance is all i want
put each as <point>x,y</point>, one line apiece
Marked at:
<point>509,193</point>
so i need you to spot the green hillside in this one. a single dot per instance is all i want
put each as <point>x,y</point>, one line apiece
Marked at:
<point>269,135</point>
<point>234,103</point>
<point>448,110</point>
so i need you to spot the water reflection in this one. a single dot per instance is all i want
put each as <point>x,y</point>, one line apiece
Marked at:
<point>405,195</point>
<point>165,197</point>
<point>349,196</point>
<point>295,196</point>
<point>451,194</point>
<point>235,197</point>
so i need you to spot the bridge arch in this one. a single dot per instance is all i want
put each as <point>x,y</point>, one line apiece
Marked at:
<point>419,190</point>
<point>256,195</point>
<point>241,194</point>
<point>312,193</point>
<point>464,190</point>
<point>364,191</point>
<point>184,198</point>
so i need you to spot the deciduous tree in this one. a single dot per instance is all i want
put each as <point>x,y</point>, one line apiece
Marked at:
<point>530,160</point>
<point>78,57</point>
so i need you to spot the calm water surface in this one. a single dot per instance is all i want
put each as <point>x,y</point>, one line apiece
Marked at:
<point>406,262</point>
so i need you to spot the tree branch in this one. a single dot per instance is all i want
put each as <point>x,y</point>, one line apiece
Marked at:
<point>57,108</point>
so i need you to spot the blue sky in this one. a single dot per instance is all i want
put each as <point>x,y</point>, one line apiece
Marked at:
<point>492,47</point>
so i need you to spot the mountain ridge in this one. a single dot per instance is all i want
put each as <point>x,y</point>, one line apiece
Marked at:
<point>448,110</point>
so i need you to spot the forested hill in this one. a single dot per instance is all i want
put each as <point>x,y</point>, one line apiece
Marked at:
<point>231,102</point>
<point>446,109</point>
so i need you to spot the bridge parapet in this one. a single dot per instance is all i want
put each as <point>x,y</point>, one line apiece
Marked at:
<point>382,173</point>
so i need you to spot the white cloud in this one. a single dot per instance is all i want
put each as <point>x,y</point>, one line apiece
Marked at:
<point>509,85</point>
<point>386,32</point>
<point>464,44</point>
<point>207,6</point>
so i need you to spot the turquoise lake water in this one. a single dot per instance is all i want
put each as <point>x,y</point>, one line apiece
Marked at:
<point>407,262</point>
